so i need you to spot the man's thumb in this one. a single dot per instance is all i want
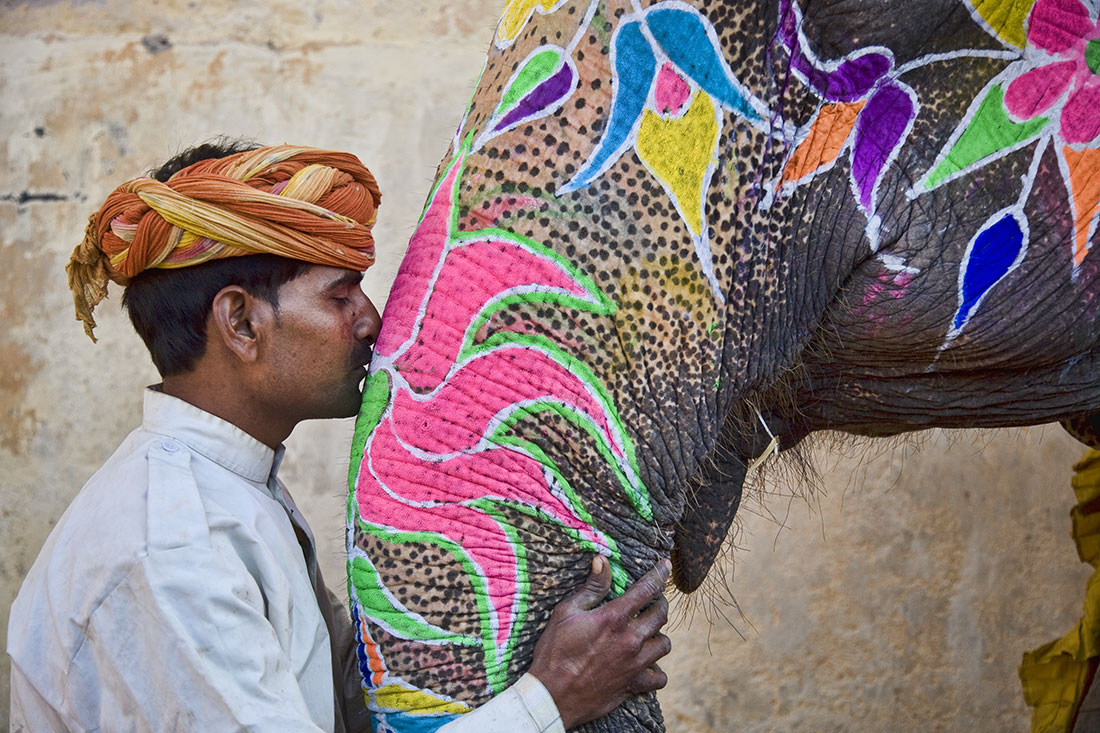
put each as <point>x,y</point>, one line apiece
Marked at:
<point>596,586</point>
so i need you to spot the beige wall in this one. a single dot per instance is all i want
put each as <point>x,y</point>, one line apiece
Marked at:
<point>905,597</point>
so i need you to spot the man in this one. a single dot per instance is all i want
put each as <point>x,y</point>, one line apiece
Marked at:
<point>180,590</point>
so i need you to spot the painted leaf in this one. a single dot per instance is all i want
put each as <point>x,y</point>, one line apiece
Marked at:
<point>986,133</point>
<point>540,87</point>
<point>537,68</point>
<point>1084,184</point>
<point>824,142</point>
<point>680,152</point>
<point>880,130</point>
<point>635,67</point>
<point>1006,18</point>
<point>995,251</point>
<point>691,45</point>
<point>847,81</point>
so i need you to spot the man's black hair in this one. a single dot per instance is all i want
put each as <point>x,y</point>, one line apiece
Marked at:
<point>169,308</point>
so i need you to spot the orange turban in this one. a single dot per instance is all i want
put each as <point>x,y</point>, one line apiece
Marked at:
<point>292,201</point>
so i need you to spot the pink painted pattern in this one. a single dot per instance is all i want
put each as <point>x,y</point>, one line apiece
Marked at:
<point>432,454</point>
<point>671,92</point>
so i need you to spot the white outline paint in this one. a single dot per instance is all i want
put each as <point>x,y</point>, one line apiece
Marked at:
<point>894,263</point>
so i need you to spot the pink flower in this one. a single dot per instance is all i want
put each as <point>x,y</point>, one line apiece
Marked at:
<point>1065,32</point>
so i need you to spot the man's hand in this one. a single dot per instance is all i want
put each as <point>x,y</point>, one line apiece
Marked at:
<point>591,659</point>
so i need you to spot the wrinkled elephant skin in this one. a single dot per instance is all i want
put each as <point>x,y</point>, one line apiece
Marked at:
<point>669,236</point>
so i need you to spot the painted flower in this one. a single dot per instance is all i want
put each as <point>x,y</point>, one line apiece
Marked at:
<point>1062,35</point>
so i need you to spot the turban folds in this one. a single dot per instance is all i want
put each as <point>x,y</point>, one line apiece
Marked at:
<point>297,202</point>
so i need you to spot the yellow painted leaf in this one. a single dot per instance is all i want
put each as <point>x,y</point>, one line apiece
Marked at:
<point>518,12</point>
<point>680,152</point>
<point>1007,18</point>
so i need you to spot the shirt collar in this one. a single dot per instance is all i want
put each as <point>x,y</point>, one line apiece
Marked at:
<point>208,435</point>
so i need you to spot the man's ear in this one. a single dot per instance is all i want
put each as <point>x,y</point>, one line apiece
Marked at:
<point>236,318</point>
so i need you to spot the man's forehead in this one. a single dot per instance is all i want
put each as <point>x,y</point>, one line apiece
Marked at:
<point>335,277</point>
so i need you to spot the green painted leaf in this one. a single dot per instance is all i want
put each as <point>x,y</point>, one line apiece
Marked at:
<point>990,131</point>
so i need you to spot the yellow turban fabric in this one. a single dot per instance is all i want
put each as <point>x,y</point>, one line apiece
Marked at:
<point>297,202</point>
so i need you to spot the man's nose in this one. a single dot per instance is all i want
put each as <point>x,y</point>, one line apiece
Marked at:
<point>369,323</point>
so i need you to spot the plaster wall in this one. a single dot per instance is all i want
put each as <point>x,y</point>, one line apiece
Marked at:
<point>902,595</point>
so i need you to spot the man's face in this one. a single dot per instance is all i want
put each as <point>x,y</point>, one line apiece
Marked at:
<point>320,344</point>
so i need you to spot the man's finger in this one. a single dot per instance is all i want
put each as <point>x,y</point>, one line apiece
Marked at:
<point>653,649</point>
<point>638,596</point>
<point>595,587</point>
<point>648,680</point>
<point>650,621</point>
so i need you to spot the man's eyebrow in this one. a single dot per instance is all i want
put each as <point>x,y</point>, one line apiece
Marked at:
<point>346,279</point>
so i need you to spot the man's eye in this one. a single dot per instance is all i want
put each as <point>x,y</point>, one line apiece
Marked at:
<point>343,301</point>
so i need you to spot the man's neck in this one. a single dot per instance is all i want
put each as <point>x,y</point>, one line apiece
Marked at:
<point>224,399</point>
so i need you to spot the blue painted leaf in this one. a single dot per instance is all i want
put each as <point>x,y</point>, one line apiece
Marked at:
<point>995,251</point>
<point>683,36</point>
<point>635,68</point>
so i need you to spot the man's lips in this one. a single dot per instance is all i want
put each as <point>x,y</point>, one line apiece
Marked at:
<point>363,358</point>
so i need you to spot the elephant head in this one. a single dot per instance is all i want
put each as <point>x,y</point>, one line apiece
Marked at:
<point>669,235</point>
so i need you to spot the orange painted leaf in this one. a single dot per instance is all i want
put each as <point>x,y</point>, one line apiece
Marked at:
<point>827,138</point>
<point>1084,180</point>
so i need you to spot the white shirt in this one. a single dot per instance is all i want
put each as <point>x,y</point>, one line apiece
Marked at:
<point>174,594</point>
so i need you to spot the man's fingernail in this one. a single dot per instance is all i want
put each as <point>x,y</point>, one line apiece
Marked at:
<point>598,564</point>
<point>667,565</point>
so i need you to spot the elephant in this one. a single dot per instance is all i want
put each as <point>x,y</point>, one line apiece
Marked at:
<point>671,237</point>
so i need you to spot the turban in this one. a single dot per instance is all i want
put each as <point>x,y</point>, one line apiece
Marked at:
<point>297,202</point>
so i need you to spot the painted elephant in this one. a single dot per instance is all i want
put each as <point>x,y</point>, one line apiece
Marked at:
<point>669,235</point>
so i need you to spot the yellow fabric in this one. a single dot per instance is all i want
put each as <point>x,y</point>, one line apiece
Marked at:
<point>1054,675</point>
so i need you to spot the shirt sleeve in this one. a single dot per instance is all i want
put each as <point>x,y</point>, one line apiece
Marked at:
<point>183,644</point>
<point>525,707</point>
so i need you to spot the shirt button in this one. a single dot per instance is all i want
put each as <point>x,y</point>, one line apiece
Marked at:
<point>169,446</point>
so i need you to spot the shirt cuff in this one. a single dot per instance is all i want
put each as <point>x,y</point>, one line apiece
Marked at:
<point>539,703</point>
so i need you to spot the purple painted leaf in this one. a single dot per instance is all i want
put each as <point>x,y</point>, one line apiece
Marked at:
<point>849,81</point>
<point>540,98</point>
<point>880,130</point>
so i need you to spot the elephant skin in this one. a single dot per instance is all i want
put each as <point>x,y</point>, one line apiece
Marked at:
<point>671,235</point>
